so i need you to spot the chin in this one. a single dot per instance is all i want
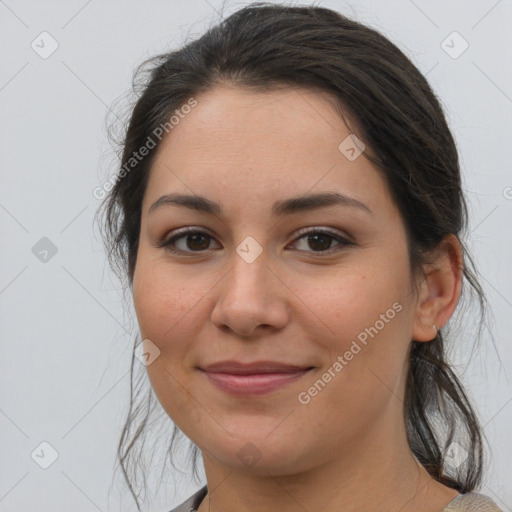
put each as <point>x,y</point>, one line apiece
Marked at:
<point>261,455</point>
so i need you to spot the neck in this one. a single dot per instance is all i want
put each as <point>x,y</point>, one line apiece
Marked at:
<point>378,473</point>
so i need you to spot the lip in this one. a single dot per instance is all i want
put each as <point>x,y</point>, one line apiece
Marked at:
<point>253,379</point>
<point>255,367</point>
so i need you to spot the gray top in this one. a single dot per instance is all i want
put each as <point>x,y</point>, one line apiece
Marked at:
<point>472,502</point>
<point>469,502</point>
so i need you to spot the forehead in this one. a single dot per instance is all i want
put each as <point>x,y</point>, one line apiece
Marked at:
<point>240,144</point>
<point>287,120</point>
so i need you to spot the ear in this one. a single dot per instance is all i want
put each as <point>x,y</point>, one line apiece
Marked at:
<point>440,291</point>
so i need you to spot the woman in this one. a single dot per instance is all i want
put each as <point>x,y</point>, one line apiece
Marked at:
<point>289,216</point>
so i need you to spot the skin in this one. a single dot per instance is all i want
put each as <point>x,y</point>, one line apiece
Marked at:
<point>347,448</point>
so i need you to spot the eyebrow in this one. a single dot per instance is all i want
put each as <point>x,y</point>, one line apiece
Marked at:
<point>279,208</point>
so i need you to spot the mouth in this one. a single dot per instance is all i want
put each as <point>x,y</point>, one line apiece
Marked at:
<point>253,379</point>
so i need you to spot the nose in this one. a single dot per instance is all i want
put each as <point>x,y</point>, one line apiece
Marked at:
<point>251,296</point>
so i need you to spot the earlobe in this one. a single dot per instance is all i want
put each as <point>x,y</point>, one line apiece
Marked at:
<point>440,291</point>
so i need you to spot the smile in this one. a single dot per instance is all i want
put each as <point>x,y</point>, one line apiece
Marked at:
<point>253,384</point>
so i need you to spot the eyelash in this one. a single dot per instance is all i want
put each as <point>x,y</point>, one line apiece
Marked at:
<point>169,243</point>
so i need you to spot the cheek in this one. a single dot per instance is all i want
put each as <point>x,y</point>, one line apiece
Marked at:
<point>367,318</point>
<point>164,305</point>
<point>161,299</point>
<point>356,302</point>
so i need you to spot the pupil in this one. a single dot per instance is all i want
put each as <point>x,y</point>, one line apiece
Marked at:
<point>195,238</point>
<point>321,236</point>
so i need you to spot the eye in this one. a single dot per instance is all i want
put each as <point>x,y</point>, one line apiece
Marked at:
<point>320,240</point>
<point>195,241</point>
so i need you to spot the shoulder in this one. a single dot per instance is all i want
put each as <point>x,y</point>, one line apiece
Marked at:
<point>192,503</point>
<point>472,502</point>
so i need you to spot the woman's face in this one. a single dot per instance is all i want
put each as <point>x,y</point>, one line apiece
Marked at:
<point>253,287</point>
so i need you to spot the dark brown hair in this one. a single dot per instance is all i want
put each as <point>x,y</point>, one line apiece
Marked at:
<point>400,120</point>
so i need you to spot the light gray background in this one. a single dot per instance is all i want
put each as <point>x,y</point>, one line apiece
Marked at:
<point>65,338</point>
